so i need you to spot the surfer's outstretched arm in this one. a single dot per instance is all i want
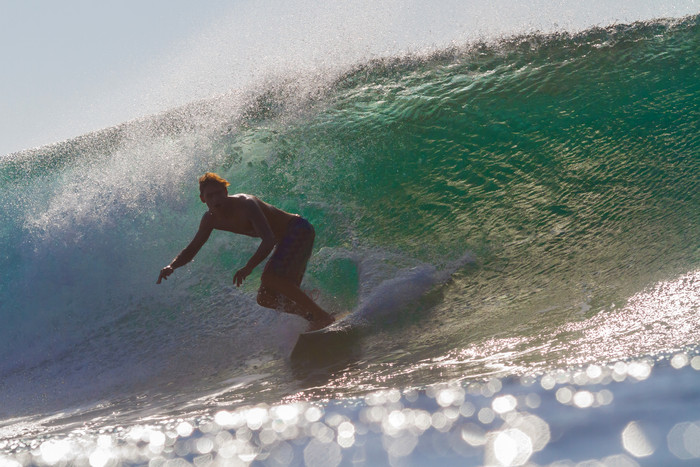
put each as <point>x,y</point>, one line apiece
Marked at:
<point>191,250</point>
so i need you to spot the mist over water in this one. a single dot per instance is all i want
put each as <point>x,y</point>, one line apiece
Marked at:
<point>259,40</point>
<point>489,202</point>
<point>253,42</point>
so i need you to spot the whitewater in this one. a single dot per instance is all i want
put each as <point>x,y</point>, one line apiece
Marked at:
<point>508,209</point>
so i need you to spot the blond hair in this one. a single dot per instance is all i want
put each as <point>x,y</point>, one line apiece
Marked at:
<point>211,178</point>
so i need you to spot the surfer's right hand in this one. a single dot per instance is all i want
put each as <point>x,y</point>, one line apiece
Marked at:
<point>164,273</point>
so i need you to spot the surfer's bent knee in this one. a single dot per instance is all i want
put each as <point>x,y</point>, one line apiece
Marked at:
<point>267,299</point>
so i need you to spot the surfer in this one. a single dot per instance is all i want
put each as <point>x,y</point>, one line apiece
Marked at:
<point>290,235</point>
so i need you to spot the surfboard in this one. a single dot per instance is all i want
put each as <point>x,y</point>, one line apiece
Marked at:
<point>327,345</point>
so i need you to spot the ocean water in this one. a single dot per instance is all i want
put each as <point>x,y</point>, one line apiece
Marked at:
<point>513,226</point>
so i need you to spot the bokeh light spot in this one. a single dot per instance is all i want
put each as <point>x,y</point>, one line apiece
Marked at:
<point>511,447</point>
<point>636,441</point>
<point>684,440</point>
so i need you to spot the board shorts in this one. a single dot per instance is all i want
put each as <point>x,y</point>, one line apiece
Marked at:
<point>292,253</point>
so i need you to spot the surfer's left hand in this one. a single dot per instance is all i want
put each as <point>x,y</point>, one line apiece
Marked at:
<point>240,275</point>
<point>164,273</point>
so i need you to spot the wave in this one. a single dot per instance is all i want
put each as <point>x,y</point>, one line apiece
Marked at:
<point>564,166</point>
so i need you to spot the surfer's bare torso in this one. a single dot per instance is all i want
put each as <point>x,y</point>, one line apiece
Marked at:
<point>236,213</point>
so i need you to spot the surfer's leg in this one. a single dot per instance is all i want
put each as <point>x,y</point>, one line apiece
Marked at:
<point>284,271</point>
<point>267,298</point>
<point>277,301</point>
<point>299,303</point>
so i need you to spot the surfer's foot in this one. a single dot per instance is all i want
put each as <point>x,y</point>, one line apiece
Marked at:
<point>320,324</point>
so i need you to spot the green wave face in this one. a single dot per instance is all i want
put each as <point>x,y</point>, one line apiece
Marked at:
<point>569,165</point>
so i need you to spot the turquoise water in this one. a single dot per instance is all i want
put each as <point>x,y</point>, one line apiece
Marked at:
<point>514,226</point>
